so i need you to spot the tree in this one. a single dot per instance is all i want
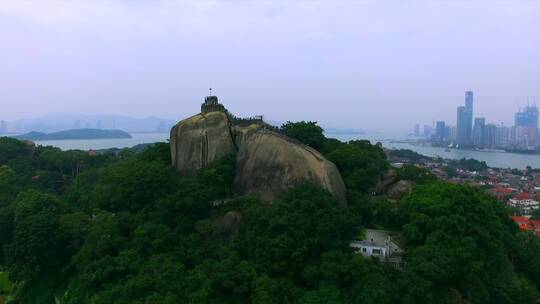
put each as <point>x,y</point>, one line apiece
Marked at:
<point>280,239</point>
<point>536,215</point>
<point>37,252</point>
<point>408,154</point>
<point>360,163</point>
<point>11,149</point>
<point>458,239</point>
<point>307,132</point>
<point>415,174</point>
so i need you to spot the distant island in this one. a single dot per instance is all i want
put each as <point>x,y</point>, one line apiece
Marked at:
<point>75,134</point>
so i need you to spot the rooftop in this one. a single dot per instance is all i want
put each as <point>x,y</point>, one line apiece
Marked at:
<point>527,224</point>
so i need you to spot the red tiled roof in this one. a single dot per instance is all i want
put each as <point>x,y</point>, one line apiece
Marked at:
<point>502,190</point>
<point>522,196</point>
<point>527,224</point>
<point>520,219</point>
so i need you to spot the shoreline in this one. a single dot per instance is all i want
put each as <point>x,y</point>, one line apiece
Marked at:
<point>509,151</point>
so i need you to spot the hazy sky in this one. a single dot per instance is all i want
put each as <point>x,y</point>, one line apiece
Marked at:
<point>376,65</point>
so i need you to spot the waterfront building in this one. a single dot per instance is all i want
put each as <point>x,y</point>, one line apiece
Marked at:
<point>525,137</point>
<point>503,136</point>
<point>528,117</point>
<point>490,138</point>
<point>451,133</point>
<point>463,132</point>
<point>469,95</point>
<point>526,127</point>
<point>416,130</point>
<point>464,121</point>
<point>428,131</point>
<point>440,132</point>
<point>479,132</point>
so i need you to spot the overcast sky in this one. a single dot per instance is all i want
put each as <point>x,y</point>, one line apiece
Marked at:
<point>375,65</point>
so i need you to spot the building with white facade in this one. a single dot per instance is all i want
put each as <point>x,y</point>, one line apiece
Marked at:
<point>381,244</point>
<point>525,206</point>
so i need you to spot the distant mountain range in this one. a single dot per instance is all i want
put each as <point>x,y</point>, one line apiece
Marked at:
<point>59,122</point>
<point>75,134</point>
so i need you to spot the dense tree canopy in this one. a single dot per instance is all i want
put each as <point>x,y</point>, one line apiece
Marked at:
<point>124,227</point>
<point>307,132</point>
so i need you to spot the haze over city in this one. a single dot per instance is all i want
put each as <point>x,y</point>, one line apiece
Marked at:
<point>367,65</point>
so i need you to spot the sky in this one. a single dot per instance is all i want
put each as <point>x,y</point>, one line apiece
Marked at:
<point>372,65</point>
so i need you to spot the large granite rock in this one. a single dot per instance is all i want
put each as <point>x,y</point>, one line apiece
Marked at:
<point>268,164</point>
<point>400,189</point>
<point>243,132</point>
<point>199,140</point>
<point>387,179</point>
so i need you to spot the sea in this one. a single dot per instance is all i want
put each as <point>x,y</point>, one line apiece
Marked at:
<point>100,144</point>
<point>391,141</point>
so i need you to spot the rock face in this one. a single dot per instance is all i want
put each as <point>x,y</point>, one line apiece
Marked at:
<point>388,178</point>
<point>268,164</point>
<point>400,189</point>
<point>199,140</point>
<point>243,132</point>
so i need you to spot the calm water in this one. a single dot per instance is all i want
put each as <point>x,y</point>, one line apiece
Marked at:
<point>493,159</point>
<point>97,144</point>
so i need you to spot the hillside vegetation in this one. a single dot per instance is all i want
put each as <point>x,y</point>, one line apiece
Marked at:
<point>126,228</point>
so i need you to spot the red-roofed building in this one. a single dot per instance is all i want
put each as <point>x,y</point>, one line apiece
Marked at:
<point>522,196</point>
<point>527,224</point>
<point>501,193</point>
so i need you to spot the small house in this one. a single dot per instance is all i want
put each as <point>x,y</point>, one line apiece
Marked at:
<point>380,244</point>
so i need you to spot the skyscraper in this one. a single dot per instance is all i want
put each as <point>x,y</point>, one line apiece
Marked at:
<point>469,95</point>
<point>526,127</point>
<point>478,131</point>
<point>527,118</point>
<point>490,136</point>
<point>440,131</point>
<point>464,121</point>
<point>416,130</point>
<point>428,130</point>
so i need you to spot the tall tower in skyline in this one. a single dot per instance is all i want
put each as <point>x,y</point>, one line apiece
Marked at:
<point>465,121</point>
<point>469,96</point>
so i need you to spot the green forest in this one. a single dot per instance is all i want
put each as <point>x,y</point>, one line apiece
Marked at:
<point>125,227</point>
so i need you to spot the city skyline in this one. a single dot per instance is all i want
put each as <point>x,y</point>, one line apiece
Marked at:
<point>370,65</point>
<point>473,131</point>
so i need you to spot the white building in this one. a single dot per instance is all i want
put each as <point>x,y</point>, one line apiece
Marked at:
<point>380,244</point>
<point>525,206</point>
